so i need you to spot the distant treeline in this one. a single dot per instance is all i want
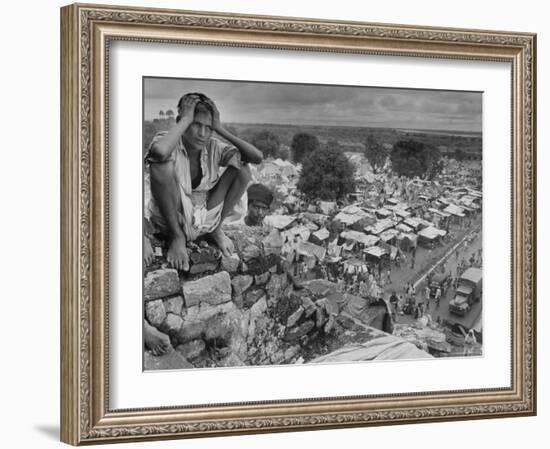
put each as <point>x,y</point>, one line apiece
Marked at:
<point>350,138</point>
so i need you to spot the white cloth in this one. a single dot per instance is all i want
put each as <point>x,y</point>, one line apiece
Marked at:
<point>196,219</point>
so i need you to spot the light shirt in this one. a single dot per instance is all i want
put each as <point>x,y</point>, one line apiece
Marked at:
<point>215,155</point>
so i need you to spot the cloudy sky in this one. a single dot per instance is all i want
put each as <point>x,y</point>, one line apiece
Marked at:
<point>306,104</point>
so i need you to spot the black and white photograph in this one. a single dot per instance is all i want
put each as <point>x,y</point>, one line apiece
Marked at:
<point>290,224</point>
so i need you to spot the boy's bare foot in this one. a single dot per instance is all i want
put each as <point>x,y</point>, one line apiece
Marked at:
<point>177,254</point>
<point>148,254</point>
<point>157,342</point>
<point>224,243</point>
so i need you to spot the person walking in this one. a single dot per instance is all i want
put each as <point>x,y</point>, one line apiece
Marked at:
<point>394,301</point>
<point>437,297</point>
<point>469,343</point>
<point>427,296</point>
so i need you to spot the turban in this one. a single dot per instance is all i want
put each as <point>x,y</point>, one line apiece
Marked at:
<point>259,192</point>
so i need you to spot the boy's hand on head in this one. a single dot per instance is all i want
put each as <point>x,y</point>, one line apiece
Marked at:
<point>216,123</point>
<point>188,104</point>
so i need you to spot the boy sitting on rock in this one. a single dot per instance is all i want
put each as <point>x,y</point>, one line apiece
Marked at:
<point>190,196</point>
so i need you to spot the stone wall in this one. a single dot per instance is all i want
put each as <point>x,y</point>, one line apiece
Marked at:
<point>247,309</point>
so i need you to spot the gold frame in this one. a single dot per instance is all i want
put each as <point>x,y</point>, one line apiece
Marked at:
<point>86,31</point>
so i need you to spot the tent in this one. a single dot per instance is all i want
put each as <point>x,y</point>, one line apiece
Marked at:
<point>407,241</point>
<point>402,213</point>
<point>430,236</point>
<point>414,223</point>
<point>404,228</point>
<point>380,226</point>
<point>389,235</point>
<point>321,234</point>
<point>312,250</point>
<point>376,252</point>
<point>383,213</point>
<point>453,209</point>
<point>359,237</point>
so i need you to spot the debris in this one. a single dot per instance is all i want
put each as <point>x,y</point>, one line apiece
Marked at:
<point>214,289</point>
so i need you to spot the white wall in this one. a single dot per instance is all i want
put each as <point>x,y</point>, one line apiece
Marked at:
<point>29,221</point>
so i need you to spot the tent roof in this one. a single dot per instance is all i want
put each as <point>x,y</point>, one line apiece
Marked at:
<point>431,233</point>
<point>376,251</point>
<point>454,210</point>
<point>389,234</point>
<point>360,237</point>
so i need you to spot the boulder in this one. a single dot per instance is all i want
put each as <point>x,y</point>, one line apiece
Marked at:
<point>275,287</point>
<point>320,318</point>
<point>217,328</point>
<point>329,326</point>
<point>262,279</point>
<point>256,312</point>
<point>331,303</point>
<point>241,284</point>
<point>161,283</point>
<point>238,300</point>
<point>252,296</point>
<point>295,317</point>
<point>171,360</point>
<point>214,289</point>
<point>190,331</point>
<point>174,305</point>
<point>172,324</point>
<point>294,334</point>
<point>231,360</point>
<point>203,268</point>
<point>308,305</point>
<point>261,264</point>
<point>204,255</point>
<point>230,263</point>
<point>203,259</point>
<point>192,350</point>
<point>291,352</point>
<point>205,311</point>
<point>155,312</point>
<point>251,252</point>
<point>273,243</point>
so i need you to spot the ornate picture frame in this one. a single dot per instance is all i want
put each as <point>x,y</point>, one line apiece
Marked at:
<point>87,31</point>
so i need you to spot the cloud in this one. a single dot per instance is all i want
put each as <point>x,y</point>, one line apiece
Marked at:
<point>255,102</point>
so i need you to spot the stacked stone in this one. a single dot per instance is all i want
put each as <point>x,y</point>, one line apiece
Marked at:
<point>239,310</point>
<point>215,313</point>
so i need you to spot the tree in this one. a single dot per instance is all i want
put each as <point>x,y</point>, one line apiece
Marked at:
<point>411,158</point>
<point>284,152</point>
<point>375,153</point>
<point>161,115</point>
<point>460,154</point>
<point>266,142</point>
<point>327,174</point>
<point>302,145</point>
<point>170,114</point>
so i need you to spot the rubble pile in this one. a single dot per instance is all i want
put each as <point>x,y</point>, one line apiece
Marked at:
<point>247,309</point>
